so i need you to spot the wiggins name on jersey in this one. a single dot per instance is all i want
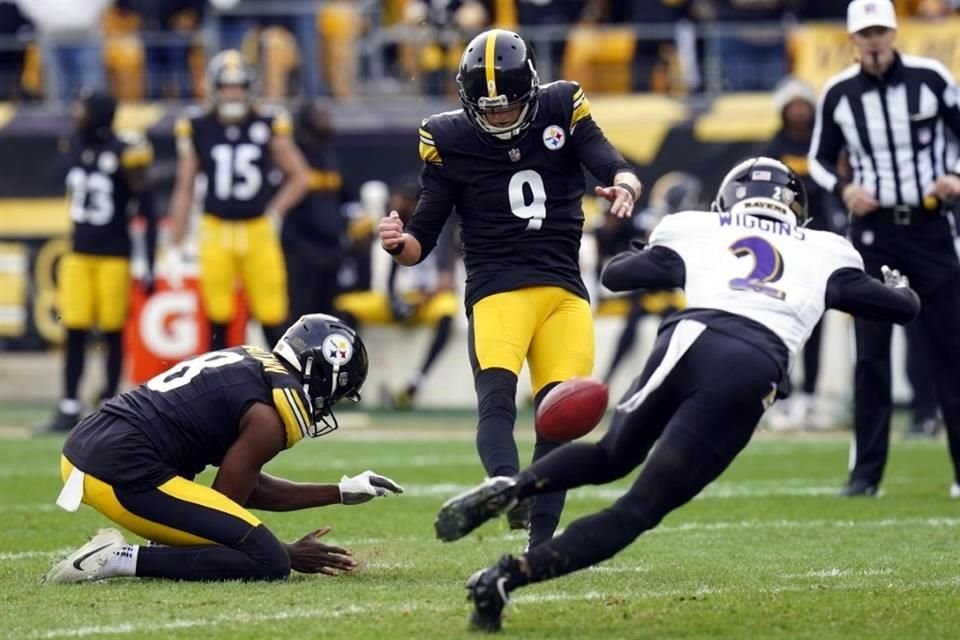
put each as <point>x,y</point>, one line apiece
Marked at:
<point>187,417</point>
<point>101,195</point>
<point>235,157</point>
<point>520,201</point>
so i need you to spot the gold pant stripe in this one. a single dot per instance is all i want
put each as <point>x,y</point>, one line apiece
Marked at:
<point>100,495</point>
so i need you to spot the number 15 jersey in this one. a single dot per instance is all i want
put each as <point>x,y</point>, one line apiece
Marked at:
<point>519,201</point>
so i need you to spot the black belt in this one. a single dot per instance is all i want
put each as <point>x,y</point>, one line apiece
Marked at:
<point>904,214</point>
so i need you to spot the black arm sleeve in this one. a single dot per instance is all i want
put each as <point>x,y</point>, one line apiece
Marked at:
<point>433,208</point>
<point>855,292</point>
<point>654,268</point>
<point>597,154</point>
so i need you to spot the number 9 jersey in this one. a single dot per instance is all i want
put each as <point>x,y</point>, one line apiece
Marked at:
<point>519,200</point>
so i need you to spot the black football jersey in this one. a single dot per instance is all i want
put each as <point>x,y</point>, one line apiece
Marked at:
<point>235,158</point>
<point>519,201</point>
<point>191,412</point>
<point>100,195</point>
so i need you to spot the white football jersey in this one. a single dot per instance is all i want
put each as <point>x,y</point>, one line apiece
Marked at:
<point>771,272</point>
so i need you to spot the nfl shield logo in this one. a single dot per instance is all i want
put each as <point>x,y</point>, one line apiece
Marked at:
<point>514,155</point>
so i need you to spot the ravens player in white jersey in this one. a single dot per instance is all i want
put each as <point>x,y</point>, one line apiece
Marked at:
<point>134,461</point>
<point>236,144</point>
<point>510,163</point>
<point>756,284</point>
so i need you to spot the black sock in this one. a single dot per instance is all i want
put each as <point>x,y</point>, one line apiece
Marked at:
<point>627,338</point>
<point>218,335</point>
<point>113,342</point>
<point>441,336</point>
<point>272,334</point>
<point>259,556</point>
<point>546,509</point>
<point>74,361</point>
<point>497,409</point>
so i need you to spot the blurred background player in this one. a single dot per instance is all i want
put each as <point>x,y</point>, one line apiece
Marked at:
<point>235,145</point>
<point>510,162</point>
<point>134,461</point>
<point>106,183</point>
<point>675,191</point>
<point>423,294</point>
<point>313,231</point>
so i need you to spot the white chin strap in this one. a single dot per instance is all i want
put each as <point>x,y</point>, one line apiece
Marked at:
<point>233,110</point>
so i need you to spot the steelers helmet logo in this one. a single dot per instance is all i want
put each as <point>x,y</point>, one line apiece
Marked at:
<point>554,138</point>
<point>337,349</point>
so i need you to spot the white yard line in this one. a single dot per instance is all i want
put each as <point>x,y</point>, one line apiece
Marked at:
<point>521,600</point>
<point>689,527</point>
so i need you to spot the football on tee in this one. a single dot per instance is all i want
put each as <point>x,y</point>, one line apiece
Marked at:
<point>572,409</point>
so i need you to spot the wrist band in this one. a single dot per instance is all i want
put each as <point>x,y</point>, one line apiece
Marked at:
<point>397,250</point>
<point>629,189</point>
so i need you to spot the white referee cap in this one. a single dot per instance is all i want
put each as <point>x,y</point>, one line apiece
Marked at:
<point>862,14</point>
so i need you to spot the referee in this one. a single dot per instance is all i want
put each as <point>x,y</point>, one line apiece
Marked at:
<point>889,113</point>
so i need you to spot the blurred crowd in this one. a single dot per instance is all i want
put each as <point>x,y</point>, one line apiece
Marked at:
<point>156,49</point>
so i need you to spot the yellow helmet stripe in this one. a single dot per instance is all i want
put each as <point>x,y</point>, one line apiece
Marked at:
<point>488,56</point>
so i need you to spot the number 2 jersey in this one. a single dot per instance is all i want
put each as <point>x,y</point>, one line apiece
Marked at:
<point>186,417</point>
<point>100,195</point>
<point>235,158</point>
<point>519,201</point>
<point>757,279</point>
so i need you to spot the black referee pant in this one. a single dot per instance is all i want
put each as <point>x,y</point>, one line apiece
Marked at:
<point>920,244</point>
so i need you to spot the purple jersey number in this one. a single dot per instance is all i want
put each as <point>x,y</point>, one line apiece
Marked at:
<point>767,266</point>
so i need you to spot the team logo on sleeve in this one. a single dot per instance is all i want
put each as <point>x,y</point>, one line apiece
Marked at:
<point>337,349</point>
<point>554,138</point>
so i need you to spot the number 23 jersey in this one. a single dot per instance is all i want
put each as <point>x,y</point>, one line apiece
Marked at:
<point>520,202</point>
<point>771,272</point>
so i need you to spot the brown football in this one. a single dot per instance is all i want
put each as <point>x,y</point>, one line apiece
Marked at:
<point>572,409</point>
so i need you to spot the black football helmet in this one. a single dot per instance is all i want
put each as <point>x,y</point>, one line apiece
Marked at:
<point>228,68</point>
<point>765,184</point>
<point>498,73</point>
<point>331,361</point>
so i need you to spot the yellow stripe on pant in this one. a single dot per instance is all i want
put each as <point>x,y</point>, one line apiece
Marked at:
<point>100,495</point>
<point>549,327</point>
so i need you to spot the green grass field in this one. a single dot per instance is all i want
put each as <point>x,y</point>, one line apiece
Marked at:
<point>766,552</point>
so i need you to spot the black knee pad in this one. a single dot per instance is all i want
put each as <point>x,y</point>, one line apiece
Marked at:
<point>269,553</point>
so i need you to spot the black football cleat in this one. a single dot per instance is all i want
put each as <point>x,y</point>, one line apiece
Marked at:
<point>61,423</point>
<point>463,513</point>
<point>858,488</point>
<point>487,590</point>
<point>518,517</point>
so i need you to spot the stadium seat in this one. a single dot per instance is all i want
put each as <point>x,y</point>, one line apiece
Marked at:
<point>600,59</point>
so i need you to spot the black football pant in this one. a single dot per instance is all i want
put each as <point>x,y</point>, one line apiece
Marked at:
<point>924,253</point>
<point>311,277</point>
<point>700,407</point>
<point>242,550</point>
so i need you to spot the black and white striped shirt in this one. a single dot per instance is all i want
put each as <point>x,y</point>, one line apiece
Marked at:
<point>893,129</point>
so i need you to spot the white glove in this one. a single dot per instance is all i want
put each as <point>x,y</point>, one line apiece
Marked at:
<point>173,266</point>
<point>893,278</point>
<point>365,487</point>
